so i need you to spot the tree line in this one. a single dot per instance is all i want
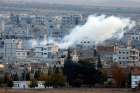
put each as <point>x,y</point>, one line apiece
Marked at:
<point>84,73</point>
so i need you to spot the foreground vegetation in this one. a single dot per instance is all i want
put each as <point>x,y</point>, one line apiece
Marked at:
<point>85,73</point>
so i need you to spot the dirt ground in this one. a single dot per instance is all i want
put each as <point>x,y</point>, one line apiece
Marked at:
<point>70,91</point>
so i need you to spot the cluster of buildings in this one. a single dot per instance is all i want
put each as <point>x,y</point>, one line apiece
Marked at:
<point>25,47</point>
<point>22,36</point>
<point>24,43</point>
<point>125,52</point>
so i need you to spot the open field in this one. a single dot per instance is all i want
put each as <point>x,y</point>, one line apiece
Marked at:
<point>70,91</point>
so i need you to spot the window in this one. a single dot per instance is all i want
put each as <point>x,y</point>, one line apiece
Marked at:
<point>45,49</point>
<point>28,53</point>
<point>136,82</point>
<point>23,53</point>
<point>133,38</point>
<point>49,48</point>
<point>18,53</point>
<point>51,26</point>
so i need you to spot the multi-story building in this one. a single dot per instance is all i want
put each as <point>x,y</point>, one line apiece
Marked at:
<point>2,50</point>
<point>106,54</point>
<point>59,26</point>
<point>85,49</point>
<point>2,24</point>
<point>10,50</point>
<point>127,56</point>
<point>134,36</point>
<point>47,53</point>
<point>39,20</point>
<point>22,53</point>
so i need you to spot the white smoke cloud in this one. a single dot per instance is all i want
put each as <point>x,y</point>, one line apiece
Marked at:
<point>33,43</point>
<point>98,29</point>
<point>41,43</point>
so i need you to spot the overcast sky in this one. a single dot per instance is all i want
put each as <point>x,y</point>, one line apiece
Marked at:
<point>131,3</point>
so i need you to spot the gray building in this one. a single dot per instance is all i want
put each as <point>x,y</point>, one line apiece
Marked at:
<point>10,50</point>
<point>59,26</point>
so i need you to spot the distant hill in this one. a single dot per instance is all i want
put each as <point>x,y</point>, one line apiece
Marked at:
<point>21,4</point>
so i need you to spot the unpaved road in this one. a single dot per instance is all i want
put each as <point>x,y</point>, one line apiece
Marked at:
<point>81,90</point>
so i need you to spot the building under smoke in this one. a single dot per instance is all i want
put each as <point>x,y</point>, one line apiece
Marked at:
<point>60,26</point>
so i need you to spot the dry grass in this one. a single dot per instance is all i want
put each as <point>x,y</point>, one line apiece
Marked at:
<point>70,91</point>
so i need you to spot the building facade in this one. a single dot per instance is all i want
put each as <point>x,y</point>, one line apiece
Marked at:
<point>127,57</point>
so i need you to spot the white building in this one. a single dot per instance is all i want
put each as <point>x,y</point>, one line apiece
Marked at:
<point>135,77</point>
<point>47,51</point>
<point>22,53</point>
<point>25,84</point>
<point>21,84</point>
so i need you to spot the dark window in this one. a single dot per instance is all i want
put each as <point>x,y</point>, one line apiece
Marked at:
<point>51,26</point>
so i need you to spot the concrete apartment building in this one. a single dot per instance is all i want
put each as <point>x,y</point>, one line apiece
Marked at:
<point>106,54</point>
<point>22,53</point>
<point>48,53</point>
<point>10,50</point>
<point>127,57</point>
<point>59,26</point>
<point>85,49</point>
<point>134,36</point>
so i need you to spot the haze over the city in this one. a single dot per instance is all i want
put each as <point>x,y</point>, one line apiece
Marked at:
<point>122,3</point>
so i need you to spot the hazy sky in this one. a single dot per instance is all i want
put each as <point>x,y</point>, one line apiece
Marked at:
<point>134,3</point>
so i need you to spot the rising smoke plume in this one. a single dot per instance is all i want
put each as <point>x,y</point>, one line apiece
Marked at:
<point>98,29</point>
